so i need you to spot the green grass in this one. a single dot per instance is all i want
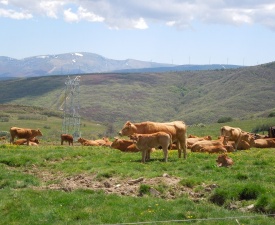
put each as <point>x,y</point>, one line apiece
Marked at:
<point>23,200</point>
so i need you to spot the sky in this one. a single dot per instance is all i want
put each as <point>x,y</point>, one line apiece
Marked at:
<point>240,32</point>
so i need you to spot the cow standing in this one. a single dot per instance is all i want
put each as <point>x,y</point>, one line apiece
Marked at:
<point>145,142</point>
<point>176,129</point>
<point>23,133</point>
<point>67,138</point>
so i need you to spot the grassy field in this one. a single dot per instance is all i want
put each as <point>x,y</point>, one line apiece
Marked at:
<point>90,185</point>
<point>54,184</point>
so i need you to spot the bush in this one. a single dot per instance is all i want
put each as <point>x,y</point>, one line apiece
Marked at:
<point>272,114</point>
<point>144,189</point>
<point>224,119</point>
<point>262,127</point>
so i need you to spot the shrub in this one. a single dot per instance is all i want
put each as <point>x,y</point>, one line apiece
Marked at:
<point>189,182</point>
<point>262,127</point>
<point>224,119</point>
<point>272,114</point>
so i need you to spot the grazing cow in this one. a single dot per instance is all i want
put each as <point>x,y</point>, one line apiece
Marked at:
<point>86,142</point>
<point>67,138</point>
<point>23,133</point>
<point>212,146</point>
<point>240,140</point>
<point>176,129</point>
<point>224,160</point>
<point>145,142</point>
<point>265,143</point>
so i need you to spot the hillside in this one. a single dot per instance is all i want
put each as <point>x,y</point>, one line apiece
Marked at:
<point>192,96</point>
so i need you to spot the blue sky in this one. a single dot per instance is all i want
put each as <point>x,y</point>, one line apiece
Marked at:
<point>165,31</point>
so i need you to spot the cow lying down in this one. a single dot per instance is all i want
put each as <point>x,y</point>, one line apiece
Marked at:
<point>224,160</point>
<point>212,146</point>
<point>265,143</point>
<point>33,142</point>
<point>145,142</point>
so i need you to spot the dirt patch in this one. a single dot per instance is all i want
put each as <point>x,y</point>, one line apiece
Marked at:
<point>166,186</point>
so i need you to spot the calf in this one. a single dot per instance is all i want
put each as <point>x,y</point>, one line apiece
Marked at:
<point>67,138</point>
<point>145,142</point>
<point>128,146</point>
<point>224,160</point>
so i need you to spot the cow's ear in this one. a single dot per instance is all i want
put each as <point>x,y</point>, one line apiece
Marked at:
<point>128,123</point>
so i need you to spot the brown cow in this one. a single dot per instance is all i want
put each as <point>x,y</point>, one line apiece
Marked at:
<point>145,142</point>
<point>265,143</point>
<point>23,133</point>
<point>67,138</point>
<point>176,129</point>
<point>86,142</point>
<point>193,140</point>
<point>128,146</point>
<point>224,160</point>
<point>33,141</point>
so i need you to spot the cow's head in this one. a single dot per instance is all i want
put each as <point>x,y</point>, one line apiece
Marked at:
<point>39,133</point>
<point>115,143</point>
<point>224,160</point>
<point>134,137</point>
<point>249,138</point>
<point>128,129</point>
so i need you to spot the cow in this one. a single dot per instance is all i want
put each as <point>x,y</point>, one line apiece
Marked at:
<point>265,143</point>
<point>271,132</point>
<point>145,142</point>
<point>67,138</point>
<point>23,133</point>
<point>128,146</point>
<point>33,141</point>
<point>176,129</point>
<point>193,140</point>
<point>212,146</point>
<point>104,142</point>
<point>239,139</point>
<point>224,160</point>
<point>86,142</point>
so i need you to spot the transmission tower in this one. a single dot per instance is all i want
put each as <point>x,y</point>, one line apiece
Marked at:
<point>71,106</point>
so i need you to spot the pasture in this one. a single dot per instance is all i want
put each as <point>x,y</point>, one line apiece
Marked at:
<point>99,185</point>
<point>54,184</point>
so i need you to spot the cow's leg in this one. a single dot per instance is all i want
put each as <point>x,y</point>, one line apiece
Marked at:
<point>28,141</point>
<point>179,148</point>
<point>148,155</point>
<point>143,159</point>
<point>165,153</point>
<point>183,147</point>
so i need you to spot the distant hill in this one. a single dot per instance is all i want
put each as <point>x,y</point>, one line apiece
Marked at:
<point>83,62</point>
<point>192,96</point>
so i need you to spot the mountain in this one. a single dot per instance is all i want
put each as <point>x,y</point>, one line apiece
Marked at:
<point>82,63</point>
<point>191,96</point>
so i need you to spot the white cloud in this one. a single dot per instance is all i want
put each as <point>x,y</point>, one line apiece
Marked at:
<point>8,13</point>
<point>139,14</point>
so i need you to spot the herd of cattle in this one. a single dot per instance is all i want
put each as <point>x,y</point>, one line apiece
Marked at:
<point>147,136</point>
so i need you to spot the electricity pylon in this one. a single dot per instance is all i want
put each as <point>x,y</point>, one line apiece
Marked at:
<point>71,107</point>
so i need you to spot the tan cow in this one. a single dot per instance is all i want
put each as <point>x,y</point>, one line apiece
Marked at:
<point>240,140</point>
<point>265,143</point>
<point>23,133</point>
<point>67,138</point>
<point>128,146</point>
<point>193,140</point>
<point>145,142</point>
<point>224,160</point>
<point>212,146</point>
<point>104,142</point>
<point>176,129</point>
<point>86,142</point>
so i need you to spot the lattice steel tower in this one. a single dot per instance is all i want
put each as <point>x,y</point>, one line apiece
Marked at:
<point>71,118</point>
